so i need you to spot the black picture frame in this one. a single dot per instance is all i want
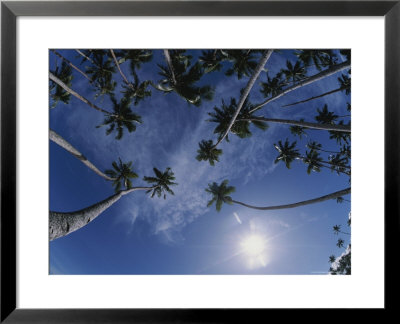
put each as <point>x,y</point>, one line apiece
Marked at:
<point>10,10</point>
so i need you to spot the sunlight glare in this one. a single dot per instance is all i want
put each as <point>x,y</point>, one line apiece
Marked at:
<point>254,245</point>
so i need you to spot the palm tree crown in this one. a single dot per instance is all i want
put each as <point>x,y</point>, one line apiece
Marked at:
<point>220,194</point>
<point>57,93</point>
<point>122,173</point>
<point>243,62</point>
<point>123,117</point>
<point>207,152</point>
<point>182,79</point>
<point>287,152</point>
<point>294,72</point>
<point>161,182</point>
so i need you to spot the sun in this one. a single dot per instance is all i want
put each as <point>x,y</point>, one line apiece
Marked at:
<point>254,245</point>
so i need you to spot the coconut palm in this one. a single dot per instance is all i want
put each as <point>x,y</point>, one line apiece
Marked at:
<point>208,152</point>
<point>340,243</point>
<point>340,136</point>
<point>211,60</point>
<point>313,161</point>
<point>332,258</point>
<point>64,223</point>
<point>316,57</point>
<point>162,182</point>
<point>101,72</point>
<point>294,72</point>
<point>345,85</point>
<point>121,173</point>
<point>58,92</point>
<point>182,79</point>
<point>220,194</point>
<point>122,118</point>
<point>311,79</point>
<point>325,116</point>
<point>222,116</point>
<point>287,152</point>
<point>56,138</point>
<point>71,65</point>
<point>135,57</point>
<point>244,62</point>
<point>273,86</point>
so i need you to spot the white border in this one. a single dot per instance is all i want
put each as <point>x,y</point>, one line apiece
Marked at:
<point>36,289</point>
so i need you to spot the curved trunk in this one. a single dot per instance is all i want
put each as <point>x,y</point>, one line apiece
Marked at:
<point>61,224</point>
<point>120,71</point>
<point>309,80</point>
<point>72,65</point>
<point>75,94</point>
<point>338,128</point>
<point>169,62</point>
<point>68,147</point>
<point>257,71</point>
<point>333,195</point>
<point>312,98</point>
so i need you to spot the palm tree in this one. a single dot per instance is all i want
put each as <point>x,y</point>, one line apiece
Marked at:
<point>222,116</point>
<point>71,64</point>
<point>135,90</point>
<point>345,85</point>
<point>180,78</point>
<point>135,57</point>
<point>67,88</point>
<point>332,258</point>
<point>273,86</point>
<point>211,60</point>
<point>64,223</point>
<point>340,243</point>
<point>64,74</point>
<point>221,193</point>
<point>162,182</point>
<point>317,57</point>
<point>243,62</point>
<point>287,153</point>
<point>122,118</point>
<point>314,78</point>
<point>325,116</point>
<point>56,138</point>
<point>294,72</point>
<point>101,72</point>
<point>122,172</point>
<point>208,152</point>
<point>260,67</point>
<point>337,230</point>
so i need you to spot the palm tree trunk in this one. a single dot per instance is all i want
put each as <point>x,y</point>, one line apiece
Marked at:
<point>68,147</point>
<point>120,71</point>
<point>333,195</point>
<point>309,80</point>
<point>75,94</point>
<point>72,65</point>
<point>329,127</point>
<point>61,224</point>
<point>86,57</point>
<point>267,54</point>
<point>169,62</point>
<point>312,98</point>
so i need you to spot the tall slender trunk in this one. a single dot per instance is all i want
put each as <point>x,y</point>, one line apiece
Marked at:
<point>338,128</point>
<point>86,57</point>
<point>171,68</point>
<point>333,195</point>
<point>312,98</point>
<point>267,54</point>
<point>75,94</point>
<point>61,224</point>
<point>120,71</point>
<point>56,138</point>
<point>309,80</point>
<point>72,65</point>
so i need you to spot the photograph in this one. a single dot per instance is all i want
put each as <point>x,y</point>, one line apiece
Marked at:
<point>187,161</point>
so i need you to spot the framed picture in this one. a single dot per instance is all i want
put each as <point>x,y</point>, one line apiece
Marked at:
<point>98,64</point>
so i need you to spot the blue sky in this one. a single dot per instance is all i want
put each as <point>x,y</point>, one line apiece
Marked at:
<point>180,235</point>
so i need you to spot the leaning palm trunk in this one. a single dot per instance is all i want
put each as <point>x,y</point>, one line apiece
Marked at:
<point>72,65</point>
<point>75,94</point>
<point>61,224</point>
<point>309,80</point>
<point>171,68</point>
<point>333,195</point>
<point>316,97</point>
<point>257,71</point>
<point>120,71</point>
<point>330,127</point>
<point>68,147</point>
